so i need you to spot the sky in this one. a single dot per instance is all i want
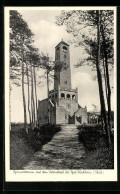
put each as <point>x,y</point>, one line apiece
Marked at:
<point>47,36</point>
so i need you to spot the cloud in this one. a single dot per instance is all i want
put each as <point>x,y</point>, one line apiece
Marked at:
<point>48,35</point>
<point>87,89</point>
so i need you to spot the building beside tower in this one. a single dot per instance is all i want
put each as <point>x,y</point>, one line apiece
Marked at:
<point>61,106</point>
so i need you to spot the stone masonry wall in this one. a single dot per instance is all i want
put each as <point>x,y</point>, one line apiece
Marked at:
<point>63,77</point>
<point>43,112</point>
<point>52,114</point>
<point>62,115</point>
<point>70,105</point>
<point>82,112</point>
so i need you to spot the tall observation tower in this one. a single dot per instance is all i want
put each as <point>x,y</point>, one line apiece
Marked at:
<point>62,106</point>
<point>64,77</point>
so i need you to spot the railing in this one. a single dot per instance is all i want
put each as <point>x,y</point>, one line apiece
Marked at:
<point>51,91</point>
<point>70,90</point>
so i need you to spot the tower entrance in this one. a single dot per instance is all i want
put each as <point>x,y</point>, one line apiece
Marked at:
<point>72,119</point>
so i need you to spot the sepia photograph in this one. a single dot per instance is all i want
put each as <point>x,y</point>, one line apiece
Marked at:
<point>60,85</point>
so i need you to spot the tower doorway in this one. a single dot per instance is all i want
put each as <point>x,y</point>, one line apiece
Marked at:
<point>72,119</point>
<point>79,119</point>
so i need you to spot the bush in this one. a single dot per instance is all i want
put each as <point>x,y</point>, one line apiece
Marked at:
<point>98,155</point>
<point>20,151</point>
<point>23,146</point>
<point>38,137</point>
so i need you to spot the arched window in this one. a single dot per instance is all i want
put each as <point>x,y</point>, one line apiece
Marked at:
<point>68,96</point>
<point>62,95</point>
<point>73,97</point>
<point>53,96</point>
<point>65,48</point>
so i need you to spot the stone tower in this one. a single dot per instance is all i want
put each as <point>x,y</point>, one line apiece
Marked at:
<point>62,78</point>
<point>61,106</point>
<point>63,95</point>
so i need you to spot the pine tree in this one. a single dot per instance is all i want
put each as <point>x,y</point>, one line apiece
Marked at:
<point>20,38</point>
<point>87,30</point>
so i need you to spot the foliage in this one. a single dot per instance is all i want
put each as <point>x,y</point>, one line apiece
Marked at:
<point>98,156</point>
<point>18,31</point>
<point>83,26</point>
<point>23,146</point>
<point>25,62</point>
<point>93,29</point>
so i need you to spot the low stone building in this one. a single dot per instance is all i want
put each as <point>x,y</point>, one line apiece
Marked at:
<point>93,117</point>
<point>61,106</point>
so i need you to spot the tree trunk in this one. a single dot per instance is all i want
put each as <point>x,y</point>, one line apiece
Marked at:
<point>32,98</point>
<point>102,101</point>
<point>107,77</point>
<point>28,96</point>
<point>23,91</point>
<point>35,97</point>
<point>10,105</point>
<point>48,95</point>
<point>33,101</point>
<point>24,101</point>
<point>106,90</point>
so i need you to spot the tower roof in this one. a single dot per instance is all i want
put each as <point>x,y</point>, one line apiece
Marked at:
<point>62,42</point>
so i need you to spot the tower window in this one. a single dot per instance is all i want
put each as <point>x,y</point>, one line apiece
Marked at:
<point>53,96</point>
<point>62,95</point>
<point>68,96</point>
<point>65,48</point>
<point>68,106</point>
<point>73,97</point>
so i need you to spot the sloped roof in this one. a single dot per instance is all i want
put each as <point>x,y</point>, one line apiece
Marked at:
<point>62,42</point>
<point>79,106</point>
<point>51,103</point>
<point>77,110</point>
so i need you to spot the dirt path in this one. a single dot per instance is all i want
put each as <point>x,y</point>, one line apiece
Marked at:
<point>64,151</point>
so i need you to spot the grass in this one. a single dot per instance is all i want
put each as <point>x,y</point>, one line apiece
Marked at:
<point>20,151</point>
<point>23,146</point>
<point>98,155</point>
